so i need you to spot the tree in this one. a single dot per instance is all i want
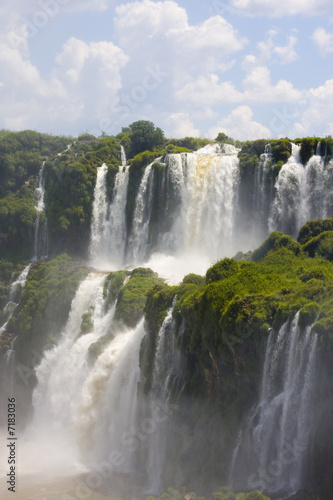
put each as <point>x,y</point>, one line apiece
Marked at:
<point>145,136</point>
<point>222,137</point>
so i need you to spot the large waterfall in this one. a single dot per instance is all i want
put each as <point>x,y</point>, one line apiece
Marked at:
<point>188,211</point>
<point>89,398</point>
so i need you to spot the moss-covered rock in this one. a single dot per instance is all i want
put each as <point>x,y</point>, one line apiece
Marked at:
<point>132,297</point>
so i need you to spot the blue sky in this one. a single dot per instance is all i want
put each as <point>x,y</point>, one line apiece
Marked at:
<point>249,68</point>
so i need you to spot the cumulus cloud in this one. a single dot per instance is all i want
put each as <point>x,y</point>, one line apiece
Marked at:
<point>209,90</point>
<point>323,41</point>
<point>180,125</point>
<point>287,53</point>
<point>317,118</point>
<point>271,8</point>
<point>83,83</point>
<point>240,125</point>
<point>257,88</point>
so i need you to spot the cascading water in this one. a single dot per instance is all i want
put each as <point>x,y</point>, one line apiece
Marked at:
<point>15,289</point>
<point>263,192</point>
<point>277,435</point>
<point>115,231</point>
<point>187,208</point>
<point>41,229</point>
<point>195,215</point>
<point>138,240</point>
<point>108,225</point>
<point>166,368</point>
<point>287,204</point>
<point>87,406</point>
<point>99,214</point>
<point>301,193</point>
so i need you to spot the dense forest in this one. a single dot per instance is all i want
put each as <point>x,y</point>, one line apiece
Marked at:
<point>218,328</point>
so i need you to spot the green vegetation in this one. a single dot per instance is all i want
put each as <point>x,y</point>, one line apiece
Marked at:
<point>132,297</point>
<point>142,136</point>
<point>44,306</point>
<point>224,493</point>
<point>69,182</point>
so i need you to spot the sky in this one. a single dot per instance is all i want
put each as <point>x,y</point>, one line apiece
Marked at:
<point>248,68</point>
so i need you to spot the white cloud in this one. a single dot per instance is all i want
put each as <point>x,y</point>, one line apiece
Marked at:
<point>323,41</point>
<point>160,32</point>
<point>259,88</point>
<point>240,125</point>
<point>317,119</point>
<point>287,53</point>
<point>272,8</point>
<point>180,125</point>
<point>82,85</point>
<point>209,90</point>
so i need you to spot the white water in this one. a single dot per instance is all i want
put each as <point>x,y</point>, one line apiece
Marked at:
<point>302,193</point>
<point>83,406</point>
<point>15,289</point>
<point>160,391</point>
<point>41,229</point>
<point>99,215</point>
<point>108,225</point>
<point>196,218</point>
<point>138,240</point>
<point>287,205</point>
<point>187,211</point>
<point>115,231</point>
<point>263,192</point>
<point>279,429</point>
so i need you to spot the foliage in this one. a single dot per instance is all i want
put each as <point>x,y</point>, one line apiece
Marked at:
<point>44,306</point>
<point>87,323</point>
<point>275,240</point>
<point>221,270</point>
<point>225,493</point>
<point>313,228</point>
<point>190,143</point>
<point>132,297</point>
<point>144,136</point>
<point>69,181</point>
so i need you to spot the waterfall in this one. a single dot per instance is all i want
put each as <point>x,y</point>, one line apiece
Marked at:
<point>209,200</point>
<point>14,293</point>
<point>107,414</point>
<point>10,360</point>
<point>167,368</point>
<point>194,216</point>
<point>99,214</point>
<point>41,229</point>
<point>301,193</point>
<point>186,212</point>
<point>287,205</point>
<point>108,226</point>
<point>123,156</point>
<point>138,240</point>
<point>278,430</point>
<point>88,406</point>
<point>263,192</point>
<point>115,233</point>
